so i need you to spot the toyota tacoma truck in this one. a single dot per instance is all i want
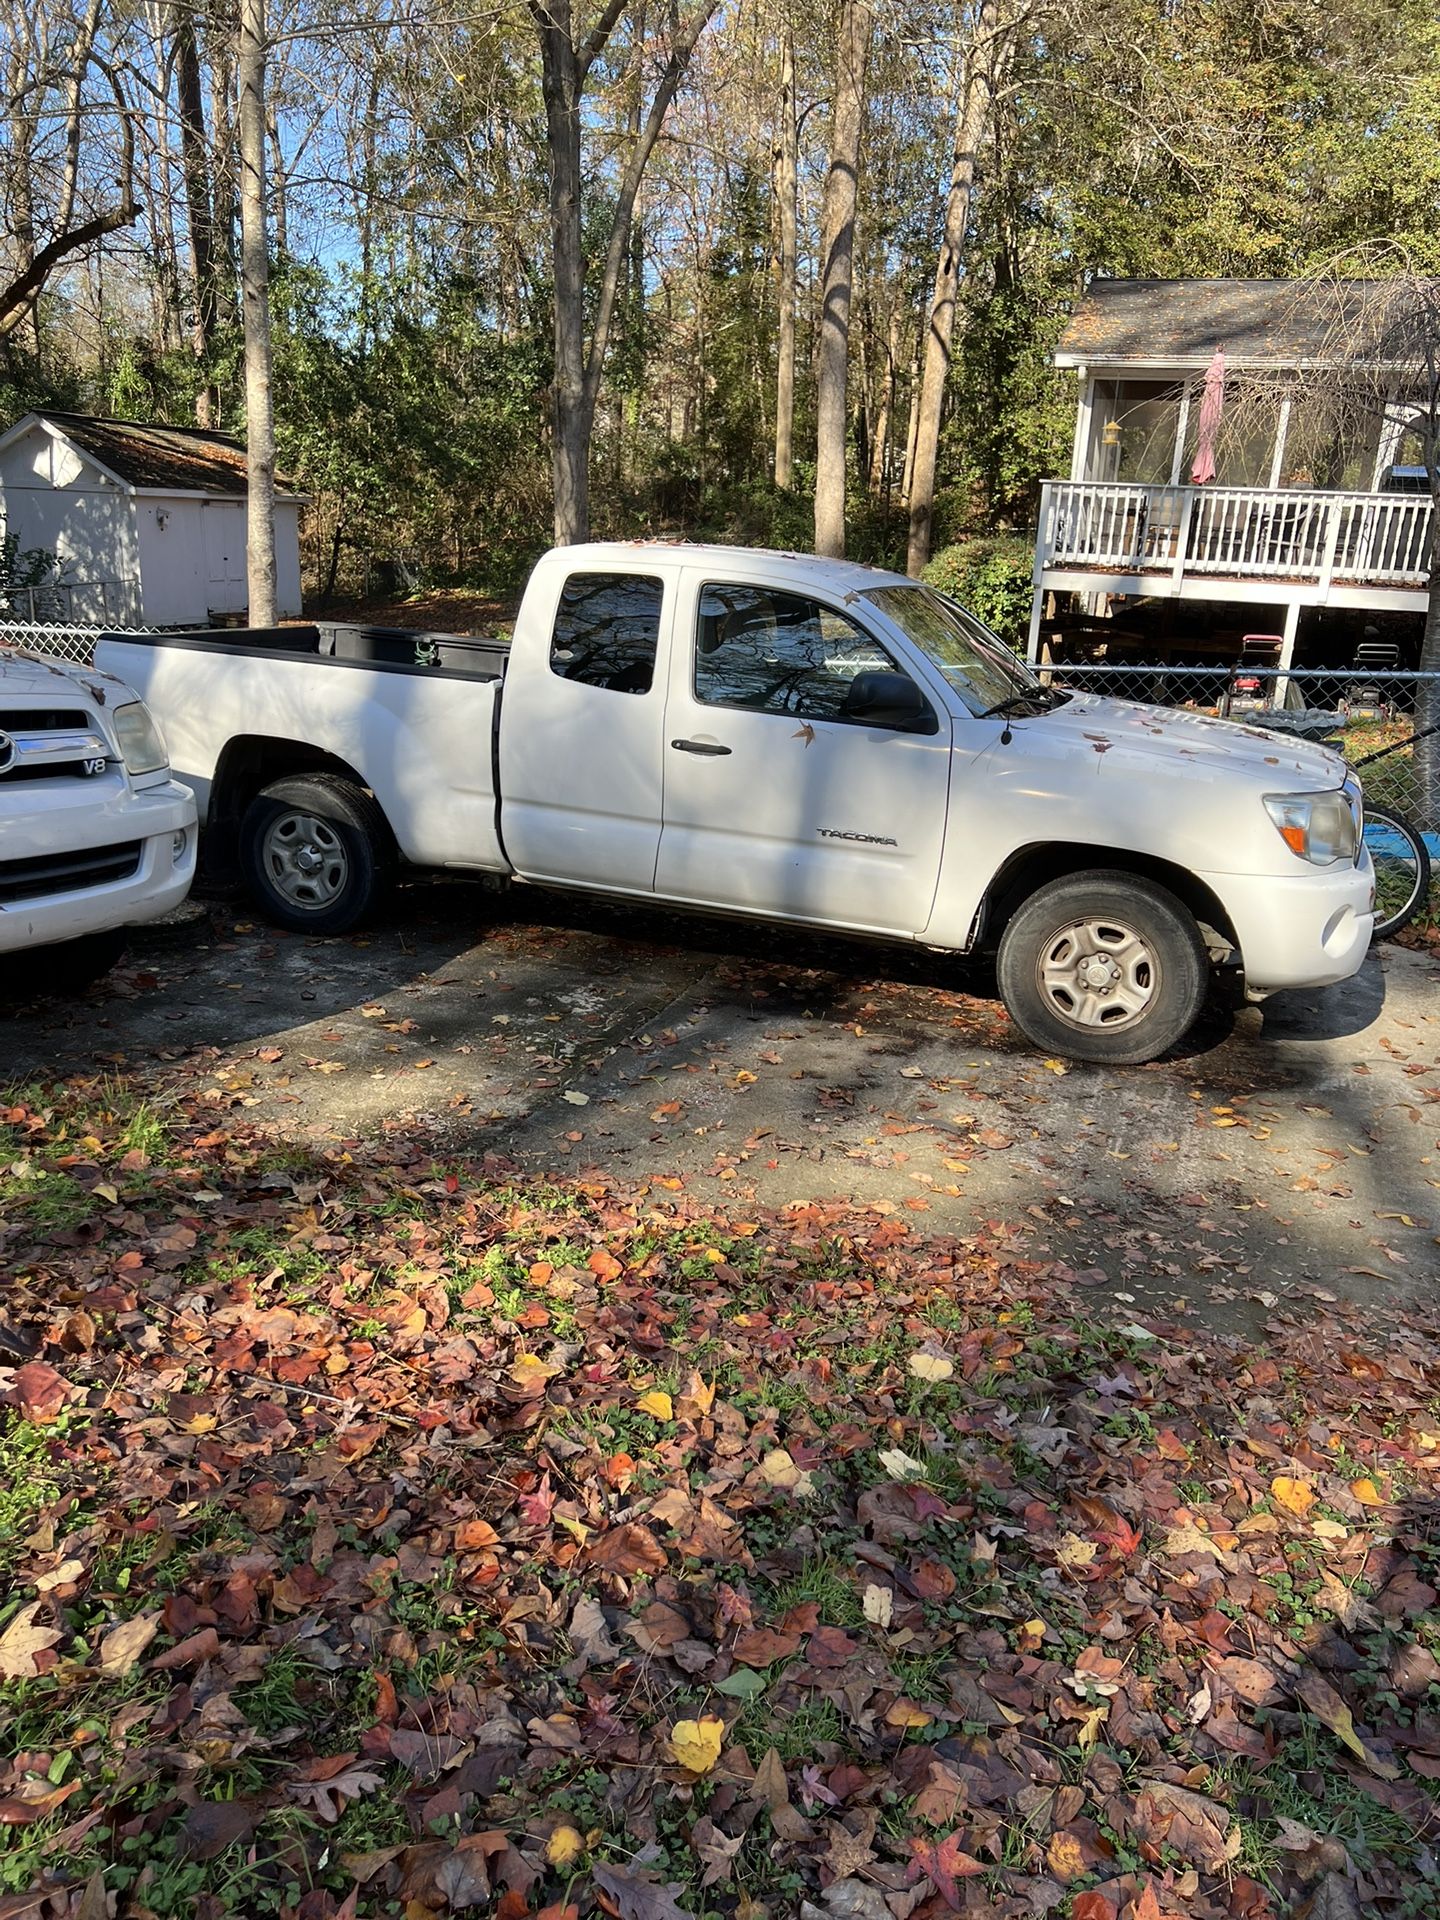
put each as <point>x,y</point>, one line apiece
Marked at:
<point>94,833</point>
<point>791,739</point>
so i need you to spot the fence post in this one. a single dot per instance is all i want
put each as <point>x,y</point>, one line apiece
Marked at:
<point>1043,542</point>
<point>1182,537</point>
<point>1334,509</point>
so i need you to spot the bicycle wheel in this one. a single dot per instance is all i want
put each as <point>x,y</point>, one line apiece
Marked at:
<point>1402,868</point>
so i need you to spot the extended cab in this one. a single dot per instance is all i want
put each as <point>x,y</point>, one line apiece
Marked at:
<point>792,739</point>
<point>94,833</point>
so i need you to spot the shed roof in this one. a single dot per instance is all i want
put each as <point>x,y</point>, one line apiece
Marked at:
<point>1275,323</point>
<point>179,459</point>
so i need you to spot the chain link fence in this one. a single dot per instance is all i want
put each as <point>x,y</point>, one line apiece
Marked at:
<point>70,640</point>
<point>1370,715</point>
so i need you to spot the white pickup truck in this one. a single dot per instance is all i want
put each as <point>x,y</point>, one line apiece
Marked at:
<point>94,833</point>
<point>792,739</point>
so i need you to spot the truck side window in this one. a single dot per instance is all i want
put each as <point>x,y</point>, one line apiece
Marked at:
<point>776,652</point>
<point>607,629</point>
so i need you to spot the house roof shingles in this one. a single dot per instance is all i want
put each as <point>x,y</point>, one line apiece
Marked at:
<point>187,459</point>
<point>1282,323</point>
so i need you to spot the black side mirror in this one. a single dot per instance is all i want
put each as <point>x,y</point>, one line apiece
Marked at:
<point>884,699</point>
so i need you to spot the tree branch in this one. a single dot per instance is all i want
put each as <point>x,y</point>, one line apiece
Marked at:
<point>595,41</point>
<point>679,58</point>
<point>17,299</point>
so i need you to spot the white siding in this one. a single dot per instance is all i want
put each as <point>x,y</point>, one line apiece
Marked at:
<point>50,497</point>
<point>287,557</point>
<point>171,560</point>
<point>194,565</point>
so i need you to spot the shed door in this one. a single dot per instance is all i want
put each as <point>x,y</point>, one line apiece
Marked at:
<point>224,544</point>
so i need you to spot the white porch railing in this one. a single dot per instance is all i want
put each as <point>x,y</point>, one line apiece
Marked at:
<point>1243,533</point>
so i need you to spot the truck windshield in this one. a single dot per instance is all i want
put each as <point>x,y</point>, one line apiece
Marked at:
<point>976,662</point>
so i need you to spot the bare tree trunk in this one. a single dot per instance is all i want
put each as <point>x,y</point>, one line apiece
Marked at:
<point>786,178</point>
<point>255,309</point>
<point>160,196</point>
<point>976,92</point>
<point>278,184</point>
<point>912,421</point>
<point>21,130</point>
<point>880,452</point>
<point>222,176</point>
<point>574,419</point>
<point>79,62</point>
<point>837,249</point>
<point>199,210</point>
<point>564,70</point>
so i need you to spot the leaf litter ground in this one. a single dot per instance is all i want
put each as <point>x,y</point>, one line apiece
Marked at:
<point>385,1534</point>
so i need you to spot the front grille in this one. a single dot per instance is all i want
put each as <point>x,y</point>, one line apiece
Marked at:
<point>48,743</point>
<point>46,874</point>
<point>42,719</point>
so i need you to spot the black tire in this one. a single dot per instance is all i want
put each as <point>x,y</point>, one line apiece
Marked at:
<point>1104,967</point>
<point>1402,869</point>
<point>66,968</point>
<point>316,853</point>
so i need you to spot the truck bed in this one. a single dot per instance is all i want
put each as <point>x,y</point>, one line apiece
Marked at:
<point>390,649</point>
<point>411,716</point>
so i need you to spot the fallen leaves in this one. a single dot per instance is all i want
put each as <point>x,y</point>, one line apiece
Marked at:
<point>38,1391</point>
<point>564,1847</point>
<point>25,1646</point>
<point>122,1646</point>
<point>1295,1496</point>
<point>1327,1706</point>
<point>696,1744</point>
<point>1021,1599</point>
<point>931,1366</point>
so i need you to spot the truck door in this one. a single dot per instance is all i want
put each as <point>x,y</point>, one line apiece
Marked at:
<point>580,734</point>
<point>779,799</point>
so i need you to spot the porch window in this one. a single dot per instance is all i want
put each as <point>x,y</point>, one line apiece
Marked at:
<point>1132,430</point>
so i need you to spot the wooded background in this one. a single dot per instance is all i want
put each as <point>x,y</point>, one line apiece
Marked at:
<point>779,271</point>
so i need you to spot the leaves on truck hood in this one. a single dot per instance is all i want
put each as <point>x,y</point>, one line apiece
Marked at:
<point>1159,733</point>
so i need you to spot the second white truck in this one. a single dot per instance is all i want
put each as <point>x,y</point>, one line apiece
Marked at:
<point>792,739</point>
<point>94,833</point>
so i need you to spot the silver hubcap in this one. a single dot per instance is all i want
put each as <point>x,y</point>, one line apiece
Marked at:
<point>305,860</point>
<point>1098,973</point>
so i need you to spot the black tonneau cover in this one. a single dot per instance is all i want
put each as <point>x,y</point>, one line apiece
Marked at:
<point>386,649</point>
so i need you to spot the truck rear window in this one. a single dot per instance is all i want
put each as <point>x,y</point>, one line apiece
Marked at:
<point>607,630</point>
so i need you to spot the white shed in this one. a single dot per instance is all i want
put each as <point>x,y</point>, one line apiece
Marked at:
<point>147,522</point>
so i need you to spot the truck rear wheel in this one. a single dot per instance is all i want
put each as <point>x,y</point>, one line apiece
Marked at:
<point>1104,967</point>
<point>316,853</point>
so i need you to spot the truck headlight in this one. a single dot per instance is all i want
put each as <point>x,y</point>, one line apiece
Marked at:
<point>141,743</point>
<point>1323,828</point>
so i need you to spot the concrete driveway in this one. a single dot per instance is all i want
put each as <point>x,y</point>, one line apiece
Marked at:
<point>1285,1148</point>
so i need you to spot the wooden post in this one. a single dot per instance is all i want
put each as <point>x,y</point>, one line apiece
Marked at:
<point>1287,653</point>
<point>1083,409</point>
<point>1182,539</point>
<point>1182,424</point>
<point>1334,508</point>
<point>1042,543</point>
<point>1282,433</point>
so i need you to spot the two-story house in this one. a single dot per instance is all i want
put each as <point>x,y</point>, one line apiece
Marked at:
<point>1214,493</point>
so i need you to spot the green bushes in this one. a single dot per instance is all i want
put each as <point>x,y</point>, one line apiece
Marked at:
<point>991,575</point>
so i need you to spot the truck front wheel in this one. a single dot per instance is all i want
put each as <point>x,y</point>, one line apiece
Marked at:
<point>1104,967</point>
<point>316,853</point>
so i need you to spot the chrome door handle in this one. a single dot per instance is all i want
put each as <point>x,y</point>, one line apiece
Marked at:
<point>698,746</point>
